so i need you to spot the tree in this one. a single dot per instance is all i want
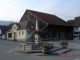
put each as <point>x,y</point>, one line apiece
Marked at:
<point>11,24</point>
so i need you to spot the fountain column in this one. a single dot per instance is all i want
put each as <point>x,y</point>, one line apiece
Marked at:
<point>37,37</point>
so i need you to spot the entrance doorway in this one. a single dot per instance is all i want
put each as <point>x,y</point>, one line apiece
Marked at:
<point>15,36</point>
<point>61,35</point>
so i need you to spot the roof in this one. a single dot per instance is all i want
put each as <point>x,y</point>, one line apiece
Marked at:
<point>17,24</point>
<point>49,18</point>
<point>2,26</point>
<point>25,24</point>
<point>75,22</point>
<point>14,23</point>
<point>5,29</point>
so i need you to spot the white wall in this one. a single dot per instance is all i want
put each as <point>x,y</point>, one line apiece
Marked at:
<point>28,35</point>
<point>21,37</point>
<point>12,30</point>
<point>76,30</point>
<point>3,36</point>
<point>0,31</point>
<point>14,27</point>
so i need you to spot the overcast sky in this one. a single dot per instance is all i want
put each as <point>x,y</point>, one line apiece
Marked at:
<point>13,10</point>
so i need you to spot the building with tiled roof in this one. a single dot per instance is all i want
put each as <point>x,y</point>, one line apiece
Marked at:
<point>53,26</point>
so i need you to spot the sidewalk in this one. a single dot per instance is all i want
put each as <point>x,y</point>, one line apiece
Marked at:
<point>18,49</point>
<point>55,50</point>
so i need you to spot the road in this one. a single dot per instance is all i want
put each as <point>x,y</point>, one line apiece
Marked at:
<point>7,52</point>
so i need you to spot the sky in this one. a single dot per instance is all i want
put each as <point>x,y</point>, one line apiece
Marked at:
<point>13,10</point>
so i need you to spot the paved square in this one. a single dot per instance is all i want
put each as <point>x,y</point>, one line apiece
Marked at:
<point>7,52</point>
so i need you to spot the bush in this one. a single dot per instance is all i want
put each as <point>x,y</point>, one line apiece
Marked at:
<point>47,46</point>
<point>37,31</point>
<point>0,37</point>
<point>64,42</point>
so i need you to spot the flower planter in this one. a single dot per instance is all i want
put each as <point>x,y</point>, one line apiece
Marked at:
<point>46,48</point>
<point>46,51</point>
<point>37,32</point>
<point>64,44</point>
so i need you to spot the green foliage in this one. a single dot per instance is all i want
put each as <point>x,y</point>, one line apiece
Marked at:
<point>37,31</point>
<point>11,24</point>
<point>0,37</point>
<point>47,46</point>
<point>64,42</point>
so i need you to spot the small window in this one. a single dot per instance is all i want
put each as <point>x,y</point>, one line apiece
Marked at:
<point>15,27</point>
<point>19,33</point>
<point>22,32</point>
<point>29,32</point>
<point>75,32</point>
<point>9,35</point>
<point>77,28</point>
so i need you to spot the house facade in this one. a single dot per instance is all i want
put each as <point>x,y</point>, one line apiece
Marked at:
<point>58,32</point>
<point>18,33</point>
<point>54,28</point>
<point>3,30</point>
<point>11,33</point>
<point>1,27</point>
<point>76,29</point>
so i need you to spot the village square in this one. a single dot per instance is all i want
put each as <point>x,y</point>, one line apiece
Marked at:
<point>40,36</point>
<point>8,52</point>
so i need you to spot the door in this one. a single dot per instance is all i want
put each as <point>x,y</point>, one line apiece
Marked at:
<point>61,35</point>
<point>15,36</point>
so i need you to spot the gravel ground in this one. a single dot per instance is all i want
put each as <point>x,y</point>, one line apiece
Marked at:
<point>7,52</point>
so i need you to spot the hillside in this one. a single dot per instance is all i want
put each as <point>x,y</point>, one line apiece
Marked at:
<point>5,22</point>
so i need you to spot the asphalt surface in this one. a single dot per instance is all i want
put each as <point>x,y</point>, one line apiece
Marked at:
<point>7,52</point>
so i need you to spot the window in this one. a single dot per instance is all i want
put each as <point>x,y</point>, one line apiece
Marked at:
<point>19,33</point>
<point>29,32</point>
<point>14,27</point>
<point>22,32</point>
<point>9,35</point>
<point>77,28</point>
<point>31,26</point>
<point>75,32</point>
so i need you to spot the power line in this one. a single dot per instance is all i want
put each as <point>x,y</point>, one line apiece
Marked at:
<point>64,15</point>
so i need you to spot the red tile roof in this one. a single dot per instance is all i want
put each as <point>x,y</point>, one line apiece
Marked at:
<point>50,19</point>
